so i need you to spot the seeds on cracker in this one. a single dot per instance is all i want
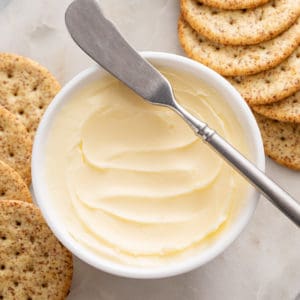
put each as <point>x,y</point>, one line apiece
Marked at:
<point>233,4</point>
<point>33,263</point>
<point>26,89</point>
<point>238,60</point>
<point>281,141</point>
<point>271,85</point>
<point>12,186</point>
<point>15,144</point>
<point>241,27</point>
<point>286,110</point>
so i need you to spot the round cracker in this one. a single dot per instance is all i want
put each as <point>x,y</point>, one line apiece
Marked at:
<point>281,141</point>
<point>26,89</point>
<point>233,4</point>
<point>15,144</point>
<point>241,27</point>
<point>12,186</point>
<point>238,60</point>
<point>286,110</point>
<point>33,263</point>
<point>271,85</point>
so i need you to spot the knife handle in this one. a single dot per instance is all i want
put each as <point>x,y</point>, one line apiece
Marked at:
<point>271,190</point>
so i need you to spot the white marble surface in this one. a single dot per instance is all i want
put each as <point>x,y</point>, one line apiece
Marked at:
<point>263,263</point>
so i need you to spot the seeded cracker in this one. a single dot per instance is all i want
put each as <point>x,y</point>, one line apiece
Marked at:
<point>12,185</point>
<point>15,144</point>
<point>233,4</point>
<point>281,141</point>
<point>33,264</point>
<point>271,85</point>
<point>26,89</point>
<point>238,60</point>
<point>241,27</point>
<point>286,110</point>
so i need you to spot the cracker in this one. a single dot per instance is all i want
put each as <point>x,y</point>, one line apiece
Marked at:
<point>238,60</point>
<point>233,4</point>
<point>241,27</point>
<point>12,186</point>
<point>271,85</point>
<point>33,263</point>
<point>15,144</point>
<point>286,110</point>
<point>281,141</point>
<point>26,89</point>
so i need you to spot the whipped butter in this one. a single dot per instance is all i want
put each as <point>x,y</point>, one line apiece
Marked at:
<point>132,181</point>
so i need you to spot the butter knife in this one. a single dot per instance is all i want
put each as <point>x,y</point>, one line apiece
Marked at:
<point>100,39</point>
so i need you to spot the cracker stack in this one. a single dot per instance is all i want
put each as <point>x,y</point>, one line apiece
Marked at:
<point>33,264</point>
<point>256,45</point>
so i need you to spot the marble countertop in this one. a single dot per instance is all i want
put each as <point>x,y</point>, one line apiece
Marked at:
<point>263,263</point>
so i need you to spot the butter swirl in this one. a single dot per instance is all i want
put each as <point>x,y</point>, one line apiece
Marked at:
<point>141,185</point>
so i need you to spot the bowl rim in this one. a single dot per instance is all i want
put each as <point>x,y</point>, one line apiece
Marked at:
<point>106,265</point>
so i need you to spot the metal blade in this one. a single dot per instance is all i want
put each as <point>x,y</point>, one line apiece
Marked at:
<point>100,39</point>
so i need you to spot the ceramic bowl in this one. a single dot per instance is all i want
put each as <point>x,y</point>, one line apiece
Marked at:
<point>240,110</point>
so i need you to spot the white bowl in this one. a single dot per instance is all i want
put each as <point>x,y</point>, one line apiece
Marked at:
<point>240,110</point>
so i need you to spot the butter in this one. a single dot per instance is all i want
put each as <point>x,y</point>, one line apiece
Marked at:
<point>132,181</point>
